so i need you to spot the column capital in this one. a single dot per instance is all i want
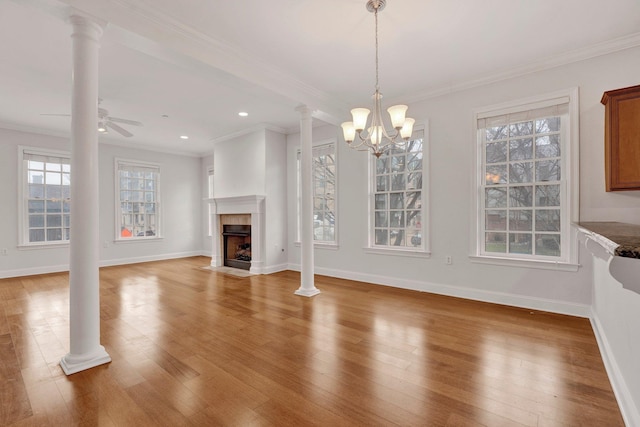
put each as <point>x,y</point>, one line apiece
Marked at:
<point>85,24</point>
<point>304,111</point>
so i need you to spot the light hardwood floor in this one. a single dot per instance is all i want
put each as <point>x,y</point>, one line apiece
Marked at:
<point>197,347</point>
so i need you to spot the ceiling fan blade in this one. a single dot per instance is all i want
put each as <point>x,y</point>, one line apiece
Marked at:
<point>59,115</point>
<point>118,129</point>
<point>124,121</point>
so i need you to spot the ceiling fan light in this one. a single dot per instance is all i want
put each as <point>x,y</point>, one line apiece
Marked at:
<point>102,128</point>
<point>397,114</point>
<point>407,128</point>
<point>360,116</point>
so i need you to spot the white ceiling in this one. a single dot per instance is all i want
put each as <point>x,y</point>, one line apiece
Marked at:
<point>200,62</point>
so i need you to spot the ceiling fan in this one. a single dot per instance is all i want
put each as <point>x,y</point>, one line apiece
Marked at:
<point>106,122</point>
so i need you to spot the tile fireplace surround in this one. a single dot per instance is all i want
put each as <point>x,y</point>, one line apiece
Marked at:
<point>253,205</point>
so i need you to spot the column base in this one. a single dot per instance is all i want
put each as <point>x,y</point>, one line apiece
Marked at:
<point>72,363</point>
<point>307,292</point>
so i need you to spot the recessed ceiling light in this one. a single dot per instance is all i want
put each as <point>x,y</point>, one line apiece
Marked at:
<point>243,114</point>
<point>184,137</point>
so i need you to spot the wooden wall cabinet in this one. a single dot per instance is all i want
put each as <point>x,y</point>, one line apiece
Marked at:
<point>622,138</point>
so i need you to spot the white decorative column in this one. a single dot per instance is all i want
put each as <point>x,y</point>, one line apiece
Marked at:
<point>307,287</point>
<point>84,281</point>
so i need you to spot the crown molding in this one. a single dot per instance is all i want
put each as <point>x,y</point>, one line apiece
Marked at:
<point>246,131</point>
<point>599,49</point>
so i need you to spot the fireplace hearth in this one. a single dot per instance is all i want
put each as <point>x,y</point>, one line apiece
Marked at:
<point>237,246</point>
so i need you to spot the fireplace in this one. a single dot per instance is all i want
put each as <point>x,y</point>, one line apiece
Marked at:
<point>247,211</point>
<point>237,246</point>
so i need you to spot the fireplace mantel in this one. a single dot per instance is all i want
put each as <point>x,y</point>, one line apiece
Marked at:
<point>254,205</point>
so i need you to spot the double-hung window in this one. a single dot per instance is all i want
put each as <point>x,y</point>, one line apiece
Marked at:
<point>398,197</point>
<point>138,204</point>
<point>324,193</point>
<point>527,173</point>
<point>45,196</point>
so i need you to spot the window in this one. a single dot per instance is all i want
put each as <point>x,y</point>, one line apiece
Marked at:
<point>324,193</point>
<point>525,198</point>
<point>45,195</point>
<point>398,197</point>
<point>138,193</point>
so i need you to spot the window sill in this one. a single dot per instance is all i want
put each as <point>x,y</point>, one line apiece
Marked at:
<point>321,245</point>
<point>36,246</point>
<point>137,240</point>
<point>526,263</point>
<point>398,252</point>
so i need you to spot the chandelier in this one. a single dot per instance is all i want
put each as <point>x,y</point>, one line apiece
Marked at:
<point>377,138</point>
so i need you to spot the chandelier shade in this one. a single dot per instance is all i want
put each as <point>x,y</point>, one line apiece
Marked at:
<point>377,138</point>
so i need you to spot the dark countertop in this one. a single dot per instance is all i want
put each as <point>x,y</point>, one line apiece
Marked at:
<point>625,236</point>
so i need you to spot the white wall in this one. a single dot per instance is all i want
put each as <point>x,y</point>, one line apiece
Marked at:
<point>276,201</point>
<point>239,165</point>
<point>180,206</point>
<point>451,159</point>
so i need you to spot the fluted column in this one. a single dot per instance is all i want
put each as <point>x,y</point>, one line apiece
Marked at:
<point>307,287</point>
<point>84,281</point>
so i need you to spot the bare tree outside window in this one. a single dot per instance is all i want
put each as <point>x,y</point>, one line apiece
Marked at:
<point>397,198</point>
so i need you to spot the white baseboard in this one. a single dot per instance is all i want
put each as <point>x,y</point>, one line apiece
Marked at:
<point>275,268</point>
<point>137,260</point>
<point>627,407</point>
<point>32,271</point>
<point>6,274</point>
<point>542,304</point>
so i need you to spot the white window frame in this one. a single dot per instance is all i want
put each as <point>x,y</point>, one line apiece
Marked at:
<point>423,250</point>
<point>118,213</point>
<point>318,146</point>
<point>569,183</point>
<point>23,197</point>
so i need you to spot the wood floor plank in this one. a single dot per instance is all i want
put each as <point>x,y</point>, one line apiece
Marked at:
<point>191,346</point>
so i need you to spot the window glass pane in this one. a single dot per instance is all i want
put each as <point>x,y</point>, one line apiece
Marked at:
<point>521,129</point>
<point>548,170</point>
<point>398,182</point>
<point>520,172</point>
<point>66,220</point>
<point>548,220</point>
<point>520,243</point>
<point>54,221</point>
<point>381,201</point>
<point>36,221</point>
<point>54,234</point>
<point>547,195</point>
<point>397,219</point>
<point>414,220</point>
<point>520,220</point>
<point>381,219</point>
<point>36,177</point>
<point>496,133</point>
<point>54,206</point>
<point>548,146</point>
<point>496,174</point>
<point>397,200</point>
<point>521,149</point>
<point>36,235</point>
<point>32,164</point>
<point>414,199</point>
<point>549,124</point>
<point>496,152</point>
<point>548,244</point>
<point>54,192</point>
<point>396,237</point>
<point>495,197</point>
<point>53,178</point>
<point>496,220</point>
<point>36,206</point>
<point>381,237</point>
<point>495,242</point>
<point>382,183</point>
<point>36,191</point>
<point>382,165</point>
<point>520,196</point>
